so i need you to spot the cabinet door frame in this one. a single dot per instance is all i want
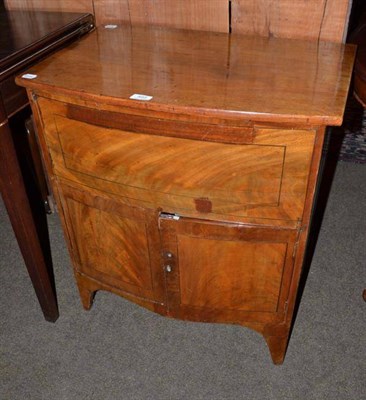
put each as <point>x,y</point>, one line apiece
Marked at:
<point>148,218</point>
<point>172,226</point>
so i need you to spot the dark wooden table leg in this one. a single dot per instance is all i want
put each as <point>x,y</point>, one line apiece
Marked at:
<point>26,223</point>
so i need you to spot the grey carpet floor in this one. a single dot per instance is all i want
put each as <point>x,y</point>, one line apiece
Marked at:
<point>121,351</point>
<point>353,133</point>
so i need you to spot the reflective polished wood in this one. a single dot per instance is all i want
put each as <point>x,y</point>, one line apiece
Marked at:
<point>207,72</point>
<point>310,19</point>
<point>195,203</point>
<point>358,37</point>
<point>26,37</point>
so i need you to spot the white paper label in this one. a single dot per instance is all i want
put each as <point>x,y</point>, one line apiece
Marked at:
<point>142,97</point>
<point>110,26</point>
<point>29,76</point>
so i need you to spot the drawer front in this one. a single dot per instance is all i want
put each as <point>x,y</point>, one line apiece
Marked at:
<point>262,176</point>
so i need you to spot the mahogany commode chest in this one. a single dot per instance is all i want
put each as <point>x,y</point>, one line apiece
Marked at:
<point>184,166</point>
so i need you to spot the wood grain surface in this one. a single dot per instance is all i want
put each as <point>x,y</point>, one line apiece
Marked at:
<point>219,268</point>
<point>206,15</point>
<point>111,11</point>
<point>113,243</point>
<point>158,198</point>
<point>51,5</point>
<point>265,178</point>
<point>254,280</point>
<point>311,19</point>
<point>229,76</point>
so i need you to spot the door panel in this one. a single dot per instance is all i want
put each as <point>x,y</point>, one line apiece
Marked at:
<point>214,269</point>
<point>124,249</point>
<point>230,274</point>
<point>114,243</point>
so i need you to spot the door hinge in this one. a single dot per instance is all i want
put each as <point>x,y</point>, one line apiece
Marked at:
<point>50,205</point>
<point>296,245</point>
<point>34,96</point>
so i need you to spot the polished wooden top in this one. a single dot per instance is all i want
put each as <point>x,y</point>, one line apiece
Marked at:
<point>207,73</point>
<point>23,33</point>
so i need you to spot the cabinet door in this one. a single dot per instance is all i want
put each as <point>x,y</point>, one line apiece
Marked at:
<point>226,272</point>
<point>113,243</point>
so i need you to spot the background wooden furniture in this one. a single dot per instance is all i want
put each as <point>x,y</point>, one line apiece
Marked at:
<point>195,204</point>
<point>358,37</point>
<point>26,37</point>
<point>311,19</point>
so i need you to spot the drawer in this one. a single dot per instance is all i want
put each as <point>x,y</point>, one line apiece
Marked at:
<point>228,170</point>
